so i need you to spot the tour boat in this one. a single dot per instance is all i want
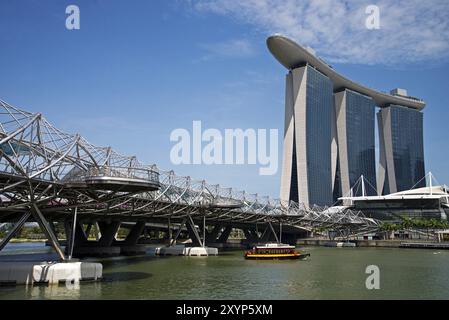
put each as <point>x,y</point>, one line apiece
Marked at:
<point>274,251</point>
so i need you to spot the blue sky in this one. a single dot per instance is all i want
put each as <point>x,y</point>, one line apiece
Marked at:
<point>137,70</point>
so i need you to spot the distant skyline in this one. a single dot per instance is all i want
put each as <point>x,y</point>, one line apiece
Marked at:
<point>135,72</point>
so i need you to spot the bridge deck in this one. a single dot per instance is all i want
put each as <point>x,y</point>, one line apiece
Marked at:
<point>52,175</point>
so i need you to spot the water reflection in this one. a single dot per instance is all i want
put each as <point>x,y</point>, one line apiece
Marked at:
<point>125,276</point>
<point>331,273</point>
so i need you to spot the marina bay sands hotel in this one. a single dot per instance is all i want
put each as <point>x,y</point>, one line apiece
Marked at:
<point>329,137</point>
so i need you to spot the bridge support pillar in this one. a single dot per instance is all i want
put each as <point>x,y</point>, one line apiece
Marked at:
<point>225,235</point>
<point>108,232</point>
<point>169,231</point>
<point>80,236</point>
<point>251,236</point>
<point>19,224</point>
<point>268,235</point>
<point>248,235</point>
<point>88,229</point>
<point>45,227</point>
<point>193,233</point>
<point>135,233</point>
<point>105,246</point>
<point>212,236</point>
<point>129,246</point>
<point>289,238</point>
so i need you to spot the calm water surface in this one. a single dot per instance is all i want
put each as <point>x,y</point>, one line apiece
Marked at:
<point>331,273</point>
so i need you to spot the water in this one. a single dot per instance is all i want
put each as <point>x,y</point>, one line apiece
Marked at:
<point>331,273</point>
<point>25,248</point>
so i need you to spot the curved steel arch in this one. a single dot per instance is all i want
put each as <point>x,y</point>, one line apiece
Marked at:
<point>40,163</point>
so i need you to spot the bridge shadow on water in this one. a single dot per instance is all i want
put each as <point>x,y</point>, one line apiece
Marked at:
<point>112,263</point>
<point>125,276</point>
<point>124,260</point>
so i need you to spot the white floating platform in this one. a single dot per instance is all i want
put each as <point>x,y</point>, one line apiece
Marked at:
<point>201,252</point>
<point>180,250</point>
<point>346,245</point>
<point>341,244</point>
<point>48,272</point>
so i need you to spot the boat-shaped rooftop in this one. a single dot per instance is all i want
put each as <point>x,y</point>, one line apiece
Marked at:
<point>291,55</point>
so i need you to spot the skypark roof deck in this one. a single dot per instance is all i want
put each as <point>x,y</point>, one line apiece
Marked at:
<point>291,55</point>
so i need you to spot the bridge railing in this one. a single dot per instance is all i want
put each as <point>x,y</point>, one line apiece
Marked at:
<point>31,148</point>
<point>127,173</point>
<point>124,172</point>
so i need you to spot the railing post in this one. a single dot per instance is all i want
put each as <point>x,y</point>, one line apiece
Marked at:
<point>72,240</point>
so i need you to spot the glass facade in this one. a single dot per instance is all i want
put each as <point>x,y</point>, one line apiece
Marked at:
<point>408,147</point>
<point>310,178</point>
<point>337,193</point>
<point>294,192</point>
<point>319,104</point>
<point>360,132</point>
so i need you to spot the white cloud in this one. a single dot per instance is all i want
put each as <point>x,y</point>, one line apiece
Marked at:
<point>237,48</point>
<point>411,31</point>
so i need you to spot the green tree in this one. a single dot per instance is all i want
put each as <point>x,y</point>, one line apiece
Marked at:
<point>444,224</point>
<point>389,228</point>
<point>407,223</point>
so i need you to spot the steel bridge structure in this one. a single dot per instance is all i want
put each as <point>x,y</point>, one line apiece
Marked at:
<point>48,176</point>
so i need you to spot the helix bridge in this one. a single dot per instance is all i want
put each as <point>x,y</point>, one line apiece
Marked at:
<point>49,176</point>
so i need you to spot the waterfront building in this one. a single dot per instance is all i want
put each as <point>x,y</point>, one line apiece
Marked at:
<point>308,117</point>
<point>355,135</point>
<point>401,149</point>
<point>329,139</point>
<point>421,203</point>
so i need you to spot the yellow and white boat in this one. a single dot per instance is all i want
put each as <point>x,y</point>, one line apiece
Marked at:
<point>274,251</point>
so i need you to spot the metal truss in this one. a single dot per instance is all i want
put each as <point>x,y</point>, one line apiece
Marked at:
<point>45,172</point>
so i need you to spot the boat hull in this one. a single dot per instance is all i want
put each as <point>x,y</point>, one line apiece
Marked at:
<point>276,257</point>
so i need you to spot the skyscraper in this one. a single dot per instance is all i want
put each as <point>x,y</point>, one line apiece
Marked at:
<point>354,133</point>
<point>329,139</point>
<point>307,158</point>
<point>401,149</point>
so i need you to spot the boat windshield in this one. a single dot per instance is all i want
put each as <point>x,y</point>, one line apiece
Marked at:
<point>274,250</point>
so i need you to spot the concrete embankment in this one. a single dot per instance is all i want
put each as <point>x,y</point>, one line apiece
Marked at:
<point>359,243</point>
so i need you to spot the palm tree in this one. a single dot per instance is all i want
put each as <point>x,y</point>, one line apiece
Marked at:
<point>388,228</point>
<point>434,224</point>
<point>407,223</point>
<point>425,224</point>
